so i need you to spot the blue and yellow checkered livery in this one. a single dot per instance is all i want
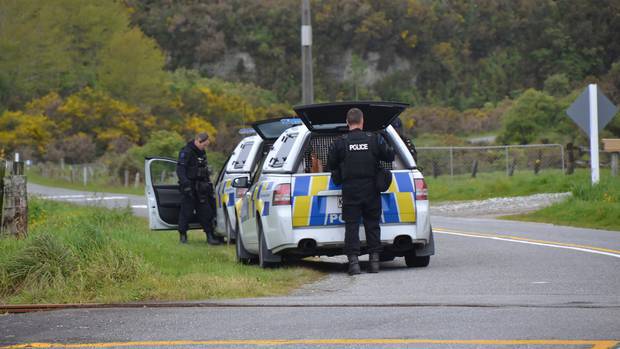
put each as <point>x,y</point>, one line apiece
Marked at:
<point>311,209</point>
<point>226,196</point>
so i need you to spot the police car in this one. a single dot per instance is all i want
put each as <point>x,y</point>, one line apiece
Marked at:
<point>292,208</point>
<point>162,189</point>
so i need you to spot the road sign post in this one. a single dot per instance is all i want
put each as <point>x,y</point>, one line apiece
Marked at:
<point>594,163</point>
<point>592,111</point>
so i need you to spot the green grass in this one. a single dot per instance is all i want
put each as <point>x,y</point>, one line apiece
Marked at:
<point>589,207</point>
<point>87,254</point>
<point>36,178</point>
<point>490,185</point>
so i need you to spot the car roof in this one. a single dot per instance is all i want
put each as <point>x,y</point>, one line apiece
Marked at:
<point>330,116</point>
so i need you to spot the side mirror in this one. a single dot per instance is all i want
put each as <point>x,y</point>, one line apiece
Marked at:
<point>241,182</point>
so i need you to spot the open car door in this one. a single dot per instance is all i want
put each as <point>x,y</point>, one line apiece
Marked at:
<point>328,116</point>
<point>163,196</point>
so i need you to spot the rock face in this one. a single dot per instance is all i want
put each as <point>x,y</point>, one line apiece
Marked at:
<point>373,68</point>
<point>233,64</point>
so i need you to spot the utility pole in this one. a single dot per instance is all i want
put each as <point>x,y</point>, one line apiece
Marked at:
<point>307,88</point>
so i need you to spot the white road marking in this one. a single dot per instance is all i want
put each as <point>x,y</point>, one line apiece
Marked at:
<point>588,249</point>
<point>77,198</point>
<point>138,206</point>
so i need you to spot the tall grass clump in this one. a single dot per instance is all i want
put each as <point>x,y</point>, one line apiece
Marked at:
<point>77,254</point>
<point>590,206</point>
<point>67,253</point>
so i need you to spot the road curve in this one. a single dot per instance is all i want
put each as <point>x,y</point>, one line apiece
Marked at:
<point>522,284</point>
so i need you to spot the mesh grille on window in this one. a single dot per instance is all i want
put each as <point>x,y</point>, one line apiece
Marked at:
<point>319,145</point>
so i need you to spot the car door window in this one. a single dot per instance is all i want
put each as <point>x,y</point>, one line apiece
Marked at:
<point>286,144</point>
<point>244,153</point>
<point>164,173</point>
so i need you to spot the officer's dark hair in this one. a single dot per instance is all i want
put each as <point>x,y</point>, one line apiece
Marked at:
<point>202,137</point>
<point>354,116</point>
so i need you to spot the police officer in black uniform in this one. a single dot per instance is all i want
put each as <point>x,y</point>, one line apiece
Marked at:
<point>196,188</point>
<point>355,157</point>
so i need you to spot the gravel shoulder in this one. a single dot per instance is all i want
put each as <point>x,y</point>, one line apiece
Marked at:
<point>498,206</point>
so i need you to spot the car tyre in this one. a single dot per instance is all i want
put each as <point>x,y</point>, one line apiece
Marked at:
<point>243,256</point>
<point>414,261</point>
<point>231,234</point>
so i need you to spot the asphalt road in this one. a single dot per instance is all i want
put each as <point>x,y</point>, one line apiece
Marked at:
<point>492,284</point>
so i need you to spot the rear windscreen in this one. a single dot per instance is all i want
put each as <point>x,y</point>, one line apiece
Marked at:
<point>315,156</point>
<point>245,150</point>
<point>273,129</point>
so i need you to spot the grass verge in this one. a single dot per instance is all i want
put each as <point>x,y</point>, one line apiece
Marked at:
<point>36,178</point>
<point>78,254</point>
<point>490,185</point>
<point>589,207</point>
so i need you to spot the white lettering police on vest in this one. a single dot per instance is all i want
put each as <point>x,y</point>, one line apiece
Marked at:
<point>356,147</point>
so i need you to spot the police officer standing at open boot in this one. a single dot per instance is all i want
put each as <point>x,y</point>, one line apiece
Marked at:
<point>196,188</point>
<point>355,157</point>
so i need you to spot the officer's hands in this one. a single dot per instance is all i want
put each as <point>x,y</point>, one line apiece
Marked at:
<point>186,190</point>
<point>384,134</point>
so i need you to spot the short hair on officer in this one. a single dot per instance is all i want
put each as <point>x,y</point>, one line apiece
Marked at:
<point>354,116</point>
<point>202,137</point>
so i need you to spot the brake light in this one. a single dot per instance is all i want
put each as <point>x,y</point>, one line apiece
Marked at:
<point>421,190</point>
<point>282,194</point>
<point>240,192</point>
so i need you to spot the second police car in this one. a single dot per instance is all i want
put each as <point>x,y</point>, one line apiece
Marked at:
<point>162,189</point>
<point>293,209</point>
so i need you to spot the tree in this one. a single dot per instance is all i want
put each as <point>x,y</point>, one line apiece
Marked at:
<point>131,68</point>
<point>532,114</point>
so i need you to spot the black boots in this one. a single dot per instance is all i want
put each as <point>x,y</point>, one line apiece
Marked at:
<point>373,267</point>
<point>354,265</point>
<point>212,239</point>
<point>183,237</point>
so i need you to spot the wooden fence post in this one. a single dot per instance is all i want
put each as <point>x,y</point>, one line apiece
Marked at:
<point>14,219</point>
<point>2,172</point>
<point>136,182</point>
<point>474,169</point>
<point>436,170</point>
<point>126,178</point>
<point>511,168</point>
<point>571,159</point>
<point>538,163</point>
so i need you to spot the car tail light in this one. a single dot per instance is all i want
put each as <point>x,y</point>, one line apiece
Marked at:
<point>240,192</point>
<point>421,190</point>
<point>282,194</point>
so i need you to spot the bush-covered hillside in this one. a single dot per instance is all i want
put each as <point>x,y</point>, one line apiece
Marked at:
<point>83,80</point>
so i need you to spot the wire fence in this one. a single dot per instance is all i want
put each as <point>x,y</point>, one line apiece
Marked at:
<point>509,158</point>
<point>438,161</point>
<point>88,174</point>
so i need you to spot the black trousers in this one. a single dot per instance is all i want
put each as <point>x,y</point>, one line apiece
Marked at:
<point>361,200</point>
<point>192,208</point>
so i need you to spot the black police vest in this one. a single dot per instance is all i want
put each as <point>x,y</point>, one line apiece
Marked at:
<point>360,160</point>
<point>196,165</point>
